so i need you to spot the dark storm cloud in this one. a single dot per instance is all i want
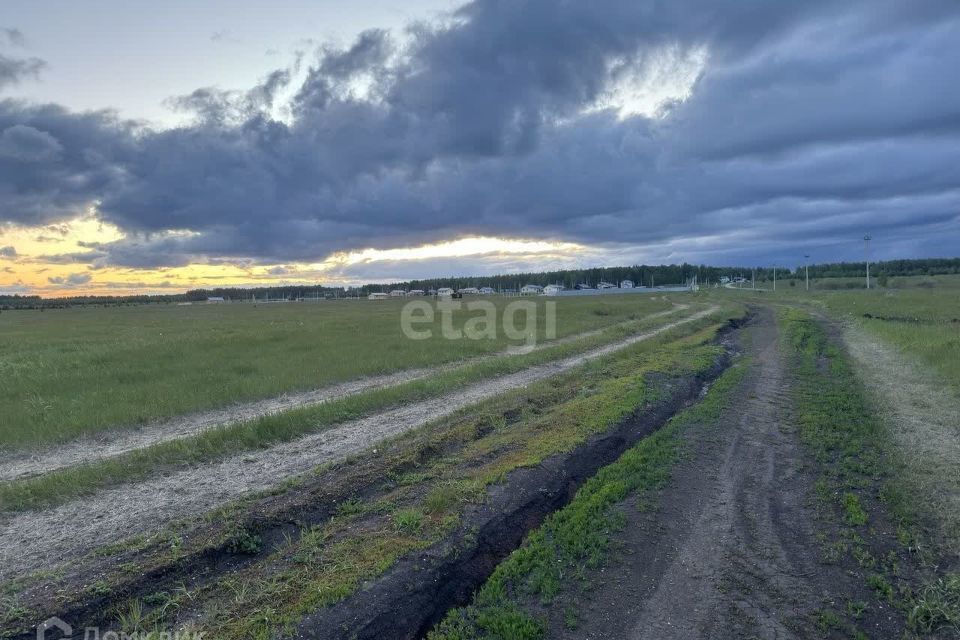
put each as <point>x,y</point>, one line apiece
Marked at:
<point>27,144</point>
<point>54,163</point>
<point>217,108</point>
<point>72,280</point>
<point>809,120</point>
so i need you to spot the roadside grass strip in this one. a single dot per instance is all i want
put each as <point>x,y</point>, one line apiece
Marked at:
<point>60,486</point>
<point>423,482</point>
<point>578,538</point>
<point>860,472</point>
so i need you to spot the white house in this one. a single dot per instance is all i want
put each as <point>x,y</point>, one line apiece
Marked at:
<point>398,293</point>
<point>531,289</point>
<point>605,285</point>
<point>486,291</point>
<point>415,292</point>
<point>552,289</point>
<point>214,299</point>
<point>377,296</point>
<point>469,291</point>
<point>445,292</point>
<point>626,284</point>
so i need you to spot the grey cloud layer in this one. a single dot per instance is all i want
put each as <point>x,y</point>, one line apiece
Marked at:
<point>810,121</point>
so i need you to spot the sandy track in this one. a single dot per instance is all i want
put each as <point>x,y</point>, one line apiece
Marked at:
<point>923,415</point>
<point>17,465</point>
<point>32,540</point>
<point>737,572</point>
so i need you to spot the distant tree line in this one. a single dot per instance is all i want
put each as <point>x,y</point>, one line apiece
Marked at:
<point>640,274</point>
<point>36,302</point>
<point>890,268</point>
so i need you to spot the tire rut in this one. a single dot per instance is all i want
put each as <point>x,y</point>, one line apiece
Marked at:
<point>735,574</point>
<point>729,552</point>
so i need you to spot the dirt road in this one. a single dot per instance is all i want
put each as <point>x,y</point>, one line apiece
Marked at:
<point>115,442</point>
<point>146,506</point>
<point>731,552</point>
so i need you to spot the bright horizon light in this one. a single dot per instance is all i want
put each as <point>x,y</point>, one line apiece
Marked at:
<point>48,261</point>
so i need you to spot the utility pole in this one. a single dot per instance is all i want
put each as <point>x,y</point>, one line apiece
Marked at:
<point>866,250</point>
<point>774,278</point>
<point>806,268</point>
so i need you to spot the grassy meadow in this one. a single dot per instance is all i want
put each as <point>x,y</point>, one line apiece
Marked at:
<point>922,322</point>
<point>919,315</point>
<point>73,372</point>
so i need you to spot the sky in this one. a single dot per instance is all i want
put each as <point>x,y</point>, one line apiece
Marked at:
<point>149,150</point>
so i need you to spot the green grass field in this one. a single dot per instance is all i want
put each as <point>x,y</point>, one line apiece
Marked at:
<point>854,284</point>
<point>919,315</point>
<point>67,373</point>
<point>922,322</point>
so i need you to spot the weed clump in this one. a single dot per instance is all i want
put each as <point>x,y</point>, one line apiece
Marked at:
<point>937,608</point>
<point>244,542</point>
<point>409,521</point>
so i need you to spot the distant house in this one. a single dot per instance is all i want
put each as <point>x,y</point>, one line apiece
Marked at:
<point>445,292</point>
<point>415,292</point>
<point>398,293</point>
<point>486,291</point>
<point>626,284</point>
<point>214,300</point>
<point>605,285</point>
<point>469,291</point>
<point>531,289</point>
<point>377,296</point>
<point>724,279</point>
<point>552,289</point>
<point>583,285</point>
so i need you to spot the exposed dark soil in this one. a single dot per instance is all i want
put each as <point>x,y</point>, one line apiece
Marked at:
<point>415,594</point>
<point>731,550</point>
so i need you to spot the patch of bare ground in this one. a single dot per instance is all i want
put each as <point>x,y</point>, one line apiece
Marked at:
<point>114,442</point>
<point>730,549</point>
<point>413,595</point>
<point>69,531</point>
<point>923,416</point>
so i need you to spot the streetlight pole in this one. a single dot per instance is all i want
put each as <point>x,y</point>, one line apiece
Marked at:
<point>866,250</point>
<point>806,268</point>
